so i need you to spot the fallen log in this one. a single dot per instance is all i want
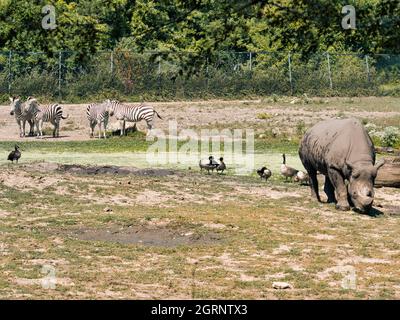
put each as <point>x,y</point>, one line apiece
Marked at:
<point>389,173</point>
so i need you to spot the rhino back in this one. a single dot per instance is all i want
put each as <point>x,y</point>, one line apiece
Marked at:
<point>334,142</point>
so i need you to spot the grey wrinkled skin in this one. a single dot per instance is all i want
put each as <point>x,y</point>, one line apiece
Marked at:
<point>341,150</point>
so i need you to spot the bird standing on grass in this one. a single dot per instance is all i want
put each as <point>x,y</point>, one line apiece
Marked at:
<point>287,171</point>
<point>14,155</point>
<point>221,167</point>
<point>301,177</point>
<point>264,173</point>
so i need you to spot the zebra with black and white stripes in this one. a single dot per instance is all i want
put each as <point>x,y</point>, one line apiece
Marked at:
<point>18,109</point>
<point>98,114</point>
<point>125,113</point>
<point>49,113</point>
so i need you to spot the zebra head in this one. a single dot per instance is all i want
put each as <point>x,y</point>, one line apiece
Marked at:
<point>31,105</point>
<point>16,105</point>
<point>109,107</point>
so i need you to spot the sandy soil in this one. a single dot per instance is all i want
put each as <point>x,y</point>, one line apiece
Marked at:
<point>208,114</point>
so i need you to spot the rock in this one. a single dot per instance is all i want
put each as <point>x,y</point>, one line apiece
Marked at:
<point>107,209</point>
<point>281,285</point>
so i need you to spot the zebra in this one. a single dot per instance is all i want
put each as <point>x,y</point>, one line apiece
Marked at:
<point>98,114</point>
<point>18,109</point>
<point>50,113</point>
<point>125,113</point>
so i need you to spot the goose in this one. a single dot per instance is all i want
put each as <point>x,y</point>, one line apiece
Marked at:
<point>221,167</point>
<point>14,155</point>
<point>211,165</point>
<point>264,173</point>
<point>286,171</point>
<point>301,177</point>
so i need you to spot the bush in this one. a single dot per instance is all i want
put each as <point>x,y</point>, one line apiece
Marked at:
<point>391,136</point>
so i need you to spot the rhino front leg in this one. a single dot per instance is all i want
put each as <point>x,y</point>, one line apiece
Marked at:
<point>340,189</point>
<point>329,190</point>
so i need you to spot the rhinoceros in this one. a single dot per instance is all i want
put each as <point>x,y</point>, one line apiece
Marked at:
<point>341,150</point>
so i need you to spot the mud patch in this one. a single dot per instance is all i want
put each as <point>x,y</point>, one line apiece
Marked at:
<point>162,236</point>
<point>117,170</point>
<point>99,170</point>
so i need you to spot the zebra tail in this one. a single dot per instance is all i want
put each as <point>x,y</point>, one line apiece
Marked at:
<point>157,114</point>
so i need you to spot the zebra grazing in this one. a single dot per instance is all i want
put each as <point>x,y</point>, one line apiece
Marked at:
<point>125,113</point>
<point>98,114</point>
<point>18,109</point>
<point>50,113</point>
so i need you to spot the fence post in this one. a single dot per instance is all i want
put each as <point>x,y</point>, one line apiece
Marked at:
<point>367,64</point>
<point>329,71</point>
<point>290,74</point>
<point>159,73</point>
<point>207,74</point>
<point>9,71</point>
<point>112,62</point>
<point>59,74</point>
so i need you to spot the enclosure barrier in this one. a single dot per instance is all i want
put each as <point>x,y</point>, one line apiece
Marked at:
<point>69,76</point>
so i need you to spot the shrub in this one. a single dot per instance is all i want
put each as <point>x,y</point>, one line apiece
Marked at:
<point>391,136</point>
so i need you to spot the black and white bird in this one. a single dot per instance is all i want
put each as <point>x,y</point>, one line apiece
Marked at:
<point>286,171</point>
<point>210,165</point>
<point>14,155</point>
<point>301,177</point>
<point>221,166</point>
<point>264,173</point>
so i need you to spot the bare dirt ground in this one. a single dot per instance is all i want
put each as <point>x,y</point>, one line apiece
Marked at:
<point>111,233</point>
<point>282,115</point>
<point>115,232</point>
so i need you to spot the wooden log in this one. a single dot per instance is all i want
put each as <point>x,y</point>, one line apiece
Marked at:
<point>389,173</point>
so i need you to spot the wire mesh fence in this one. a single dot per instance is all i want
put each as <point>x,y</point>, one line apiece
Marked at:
<point>181,75</point>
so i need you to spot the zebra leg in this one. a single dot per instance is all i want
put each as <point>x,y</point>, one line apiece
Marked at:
<point>99,130</point>
<point>20,130</point>
<point>31,128</point>
<point>23,127</point>
<point>92,125</point>
<point>54,129</point>
<point>41,128</point>
<point>105,128</point>
<point>58,129</point>
<point>123,127</point>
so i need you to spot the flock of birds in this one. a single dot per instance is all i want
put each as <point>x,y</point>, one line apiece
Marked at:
<point>264,173</point>
<point>220,167</point>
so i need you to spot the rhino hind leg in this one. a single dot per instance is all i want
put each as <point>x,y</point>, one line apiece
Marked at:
<point>313,183</point>
<point>340,189</point>
<point>329,190</point>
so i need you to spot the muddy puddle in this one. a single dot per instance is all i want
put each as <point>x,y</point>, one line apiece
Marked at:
<point>147,236</point>
<point>99,169</point>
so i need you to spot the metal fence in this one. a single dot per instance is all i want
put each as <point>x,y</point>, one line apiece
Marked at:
<point>180,75</point>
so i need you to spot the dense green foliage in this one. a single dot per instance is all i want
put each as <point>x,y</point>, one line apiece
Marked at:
<point>200,26</point>
<point>194,38</point>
